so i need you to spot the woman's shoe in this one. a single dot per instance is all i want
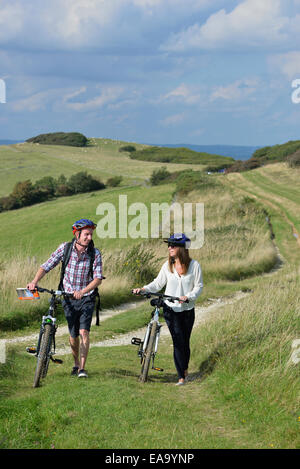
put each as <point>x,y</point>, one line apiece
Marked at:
<point>180,383</point>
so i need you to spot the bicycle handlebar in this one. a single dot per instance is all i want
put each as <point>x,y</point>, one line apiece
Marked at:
<point>53,292</point>
<point>160,295</point>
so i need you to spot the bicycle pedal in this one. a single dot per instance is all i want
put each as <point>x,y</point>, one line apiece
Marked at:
<point>136,341</point>
<point>31,349</point>
<point>56,360</point>
<point>156,368</point>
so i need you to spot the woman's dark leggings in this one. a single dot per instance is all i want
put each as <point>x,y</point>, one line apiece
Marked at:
<point>180,325</point>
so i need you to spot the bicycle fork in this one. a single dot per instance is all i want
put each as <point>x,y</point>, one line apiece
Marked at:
<point>36,350</point>
<point>144,343</point>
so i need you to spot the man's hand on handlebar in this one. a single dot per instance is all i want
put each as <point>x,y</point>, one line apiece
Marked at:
<point>31,286</point>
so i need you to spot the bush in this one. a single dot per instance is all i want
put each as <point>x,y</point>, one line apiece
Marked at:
<point>191,180</point>
<point>114,181</point>
<point>294,160</point>
<point>25,193</point>
<point>8,203</point>
<point>159,175</point>
<point>129,148</point>
<point>83,182</point>
<point>74,139</point>
<point>47,184</point>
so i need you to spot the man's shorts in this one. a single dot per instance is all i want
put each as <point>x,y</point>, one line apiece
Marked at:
<point>79,314</point>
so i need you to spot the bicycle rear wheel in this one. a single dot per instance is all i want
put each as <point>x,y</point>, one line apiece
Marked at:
<point>148,354</point>
<point>42,361</point>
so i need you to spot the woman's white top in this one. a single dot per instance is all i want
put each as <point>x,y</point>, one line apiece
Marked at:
<point>189,285</point>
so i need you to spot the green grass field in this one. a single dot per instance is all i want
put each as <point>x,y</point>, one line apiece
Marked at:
<point>101,158</point>
<point>245,387</point>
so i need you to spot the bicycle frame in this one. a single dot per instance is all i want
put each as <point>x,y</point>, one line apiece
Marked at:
<point>149,346</point>
<point>46,341</point>
<point>154,321</point>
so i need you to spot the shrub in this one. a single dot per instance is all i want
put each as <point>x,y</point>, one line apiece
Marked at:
<point>190,180</point>
<point>24,193</point>
<point>114,181</point>
<point>159,175</point>
<point>8,203</point>
<point>83,182</point>
<point>47,184</point>
<point>74,139</point>
<point>129,148</point>
<point>294,160</point>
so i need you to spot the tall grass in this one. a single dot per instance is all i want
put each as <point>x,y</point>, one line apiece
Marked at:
<point>244,352</point>
<point>237,246</point>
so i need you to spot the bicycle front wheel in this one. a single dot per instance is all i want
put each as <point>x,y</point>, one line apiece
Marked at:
<point>42,361</point>
<point>148,353</point>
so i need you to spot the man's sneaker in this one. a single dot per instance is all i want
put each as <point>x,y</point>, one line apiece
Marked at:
<point>74,371</point>
<point>82,374</point>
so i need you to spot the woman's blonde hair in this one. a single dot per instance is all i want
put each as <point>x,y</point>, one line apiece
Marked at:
<point>184,259</point>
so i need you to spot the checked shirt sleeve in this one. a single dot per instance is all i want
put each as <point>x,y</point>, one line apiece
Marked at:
<point>54,259</point>
<point>97,268</point>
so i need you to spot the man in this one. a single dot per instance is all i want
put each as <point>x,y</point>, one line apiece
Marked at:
<point>79,282</point>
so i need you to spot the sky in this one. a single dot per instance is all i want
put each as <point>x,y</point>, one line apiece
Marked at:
<point>152,71</point>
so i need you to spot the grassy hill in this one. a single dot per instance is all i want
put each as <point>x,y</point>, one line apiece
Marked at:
<point>101,157</point>
<point>287,152</point>
<point>245,392</point>
<point>181,155</point>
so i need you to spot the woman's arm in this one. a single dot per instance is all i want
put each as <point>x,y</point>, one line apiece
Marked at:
<point>198,283</point>
<point>159,282</point>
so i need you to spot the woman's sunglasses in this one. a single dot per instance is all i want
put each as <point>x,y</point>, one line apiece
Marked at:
<point>172,245</point>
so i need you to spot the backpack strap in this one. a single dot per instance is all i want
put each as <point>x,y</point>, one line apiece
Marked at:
<point>95,294</point>
<point>65,260</point>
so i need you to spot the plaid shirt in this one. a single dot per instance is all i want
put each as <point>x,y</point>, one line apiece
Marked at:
<point>77,271</point>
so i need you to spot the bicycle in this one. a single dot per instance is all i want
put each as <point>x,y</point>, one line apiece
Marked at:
<point>148,347</point>
<point>46,342</point>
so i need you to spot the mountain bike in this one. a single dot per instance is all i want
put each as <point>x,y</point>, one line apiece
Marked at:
<point>45,348</point>
<point>148,347</point>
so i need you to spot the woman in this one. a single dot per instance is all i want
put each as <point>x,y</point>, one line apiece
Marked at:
<point>183,278</point>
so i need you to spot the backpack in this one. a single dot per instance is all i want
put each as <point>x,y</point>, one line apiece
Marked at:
<point>65,260</point>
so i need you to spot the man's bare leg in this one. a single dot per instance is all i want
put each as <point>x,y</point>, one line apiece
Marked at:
<point>84,347</point>
<point>74,343</point>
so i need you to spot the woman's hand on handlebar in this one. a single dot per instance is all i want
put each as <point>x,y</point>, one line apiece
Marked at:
<point>183,299</point>
<point>137,291</point>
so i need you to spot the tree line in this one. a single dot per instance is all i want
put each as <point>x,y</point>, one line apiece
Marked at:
<point>26,193</point>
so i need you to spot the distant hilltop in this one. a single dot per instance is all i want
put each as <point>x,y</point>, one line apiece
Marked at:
<point>237,152</point>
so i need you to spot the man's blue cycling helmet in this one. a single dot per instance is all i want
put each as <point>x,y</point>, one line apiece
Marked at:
<point>83,223</point>
<point>179,239</point>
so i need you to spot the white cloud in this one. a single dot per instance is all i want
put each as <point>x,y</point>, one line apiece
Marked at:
<point>182,93</point>
<point>11,20</point>
<point>288,64</point>
<point>35,102</point>
<point>62,99</point>
<point>108,95</point>
<point>252,23</point>
<point>240,89</point>
<point>173,120</point>
<point>92,24</point>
